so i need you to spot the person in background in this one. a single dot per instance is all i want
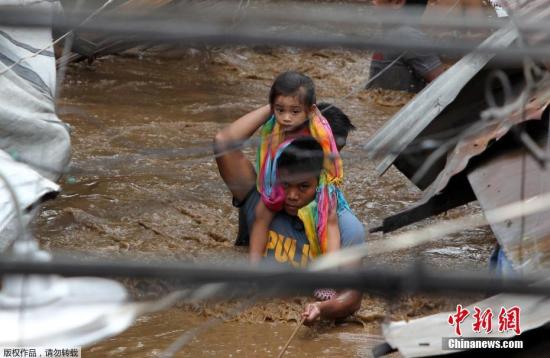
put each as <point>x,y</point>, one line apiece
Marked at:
<point>414,69</point>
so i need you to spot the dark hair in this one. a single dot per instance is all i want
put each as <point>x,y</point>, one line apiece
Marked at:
<point>418,4</point>
<point>339,122</point>
<point>303,155</point>
<point>292,83</point>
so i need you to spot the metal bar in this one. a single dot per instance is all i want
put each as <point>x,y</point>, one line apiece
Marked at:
<point>417,279</point>
<point>456,194</point>
<point>190,30</point>
<point>306,14</point>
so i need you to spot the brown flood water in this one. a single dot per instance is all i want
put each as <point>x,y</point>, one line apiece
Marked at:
<point>143,184</point>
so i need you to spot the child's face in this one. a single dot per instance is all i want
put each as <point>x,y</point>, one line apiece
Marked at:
<point>289,112</point>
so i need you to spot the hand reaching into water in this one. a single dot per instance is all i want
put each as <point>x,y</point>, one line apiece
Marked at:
<point>311,313</point>
<point>338,306</point>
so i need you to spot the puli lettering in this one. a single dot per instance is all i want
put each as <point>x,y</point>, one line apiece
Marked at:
<point>285,250</point>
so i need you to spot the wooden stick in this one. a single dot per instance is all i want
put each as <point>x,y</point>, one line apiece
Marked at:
<point>282,352</point>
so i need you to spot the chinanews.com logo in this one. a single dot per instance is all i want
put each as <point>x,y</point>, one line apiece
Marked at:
<point>484,321</point>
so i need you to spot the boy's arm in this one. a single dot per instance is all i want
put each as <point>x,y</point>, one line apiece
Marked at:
<point>346,303</point>
<point>235,169</point>
<point>258,234</point>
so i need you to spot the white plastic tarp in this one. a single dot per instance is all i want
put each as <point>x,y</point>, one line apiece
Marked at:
<point>34,142</point>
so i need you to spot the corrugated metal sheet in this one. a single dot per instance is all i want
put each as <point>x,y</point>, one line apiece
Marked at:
<point>413,118</point>
<point>499,174</point>
<point>401,130</point>
<point>440,196</point>
<point>477,143</point>
<point>402,139</point>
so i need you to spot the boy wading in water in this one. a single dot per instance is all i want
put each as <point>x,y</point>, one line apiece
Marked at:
<point>287,242</point>
<point>292,102</point>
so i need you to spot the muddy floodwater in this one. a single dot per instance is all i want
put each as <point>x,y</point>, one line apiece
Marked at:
<point>143,184</point>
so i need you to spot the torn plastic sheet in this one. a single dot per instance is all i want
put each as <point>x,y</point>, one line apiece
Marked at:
<point>30,130</point>
<point>34,142</point>
<point>28,187</point>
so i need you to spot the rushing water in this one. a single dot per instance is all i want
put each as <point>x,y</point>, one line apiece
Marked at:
<point>143,184</point>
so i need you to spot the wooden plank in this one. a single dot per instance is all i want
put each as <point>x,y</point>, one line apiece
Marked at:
<point>498,182</point>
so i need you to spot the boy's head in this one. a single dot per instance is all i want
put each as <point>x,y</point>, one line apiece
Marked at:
<point>398,4</point>
<point>299,166</point>
<point>339,123</point>
<point>292,97</point>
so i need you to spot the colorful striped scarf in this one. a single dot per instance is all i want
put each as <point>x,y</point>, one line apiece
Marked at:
<point>328,195</point>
